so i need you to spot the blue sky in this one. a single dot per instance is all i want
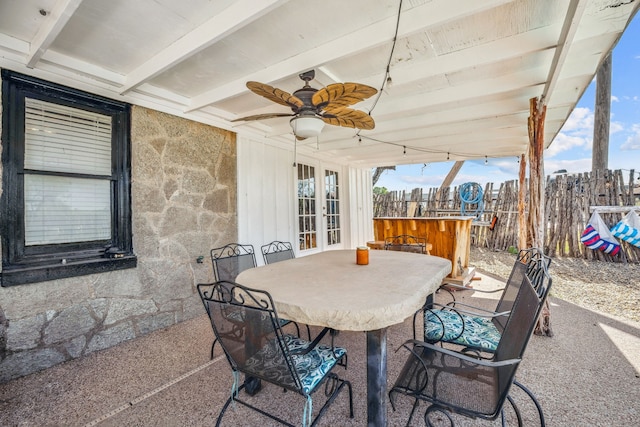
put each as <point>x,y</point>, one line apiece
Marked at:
<point>571,149</point>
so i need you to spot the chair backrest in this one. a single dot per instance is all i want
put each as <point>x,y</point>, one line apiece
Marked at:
<point>277,251</point>
<point>531,263</point>
<point>230,260</point>
<point>406,243</point>
<point>247,327</point>
<point>519,328</point>
<point>512,345</point>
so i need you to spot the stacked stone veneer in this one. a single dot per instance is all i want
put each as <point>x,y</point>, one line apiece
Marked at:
<point>184,204</point>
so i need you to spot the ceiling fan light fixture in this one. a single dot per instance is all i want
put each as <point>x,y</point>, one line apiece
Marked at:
<point>307,126</point>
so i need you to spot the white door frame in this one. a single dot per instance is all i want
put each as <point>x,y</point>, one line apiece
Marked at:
<point>320,205</point>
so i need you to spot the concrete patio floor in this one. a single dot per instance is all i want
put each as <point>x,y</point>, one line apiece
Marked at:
<point>588,374</point>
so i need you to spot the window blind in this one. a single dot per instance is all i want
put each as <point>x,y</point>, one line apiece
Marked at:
<point>64,139</point>
<point>66,209</point>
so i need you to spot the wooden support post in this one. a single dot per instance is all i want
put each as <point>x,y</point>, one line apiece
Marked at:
<point>450,176</point>
<point>602,118</point>
<point>536,220</point>
<point>522,196</point>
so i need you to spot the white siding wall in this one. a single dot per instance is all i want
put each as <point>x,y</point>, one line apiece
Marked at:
<point>265,194</point>
<point>267,197</point>
<point>361,206</point>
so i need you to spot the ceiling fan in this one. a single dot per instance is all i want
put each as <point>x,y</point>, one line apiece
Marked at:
<point>312,108</point>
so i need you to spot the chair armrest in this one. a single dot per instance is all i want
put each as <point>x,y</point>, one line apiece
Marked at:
<point>461,356</point>
<point>475,311</point>
<point>466,288</point>
<point>313,343</point>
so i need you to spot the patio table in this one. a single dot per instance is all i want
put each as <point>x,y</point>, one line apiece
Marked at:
<point>329,289</point>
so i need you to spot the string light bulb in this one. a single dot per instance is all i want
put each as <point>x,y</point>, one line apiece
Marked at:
<point>486,161</point>
<point>404,150</point>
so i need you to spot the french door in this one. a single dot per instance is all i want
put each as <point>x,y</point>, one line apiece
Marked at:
<point>319,208</point>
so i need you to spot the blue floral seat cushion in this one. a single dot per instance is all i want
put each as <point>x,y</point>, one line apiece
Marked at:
<point>447,326</point>
<point>311,368</point>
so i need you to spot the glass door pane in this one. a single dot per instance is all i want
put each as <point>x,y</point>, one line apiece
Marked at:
<point>332,207</point>
<point>306,207</point>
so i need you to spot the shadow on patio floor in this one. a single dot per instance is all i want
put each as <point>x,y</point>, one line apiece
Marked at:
<point>588,374</point>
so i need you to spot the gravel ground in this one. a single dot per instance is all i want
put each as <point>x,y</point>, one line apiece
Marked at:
<point>604,287</point>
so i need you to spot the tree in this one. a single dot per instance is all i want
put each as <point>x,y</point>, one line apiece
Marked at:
<point>380,190</point>
<point>377,173</point>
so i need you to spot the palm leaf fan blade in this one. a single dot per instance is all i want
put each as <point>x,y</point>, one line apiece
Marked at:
<point>262,117</point>
<point>342,95</point>
<point>348,117</point>
<point>276,95</point>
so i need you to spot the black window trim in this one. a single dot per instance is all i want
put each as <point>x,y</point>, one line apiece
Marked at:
<point>40,263</point>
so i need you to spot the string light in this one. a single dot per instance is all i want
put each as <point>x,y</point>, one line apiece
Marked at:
<point>404,150</point>
<point>423,149</point>
<point>387,77</point>
<point>447,155</point>
<point>486,162</point>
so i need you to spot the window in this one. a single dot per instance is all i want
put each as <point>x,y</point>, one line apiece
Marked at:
<point>66,206</point>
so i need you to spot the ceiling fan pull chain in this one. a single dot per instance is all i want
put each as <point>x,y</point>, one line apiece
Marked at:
<point>295,151</point>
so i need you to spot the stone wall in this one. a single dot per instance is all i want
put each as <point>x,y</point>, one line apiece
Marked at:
<point>184,203</point>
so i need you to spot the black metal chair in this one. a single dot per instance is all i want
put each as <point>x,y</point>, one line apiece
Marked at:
<point>452,381</point>
<point>277,251</point>
<point>230,260</point>
<point>406,243</point>
<point>479,329</point>
<point>246,324</point>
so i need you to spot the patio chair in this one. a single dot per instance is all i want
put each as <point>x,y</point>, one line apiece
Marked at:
<point>255,345</point>
<point>406,243</point>
<point>230,260</point>
<point>451,381</point>
<point>478,329</point>
<point>277,251</point>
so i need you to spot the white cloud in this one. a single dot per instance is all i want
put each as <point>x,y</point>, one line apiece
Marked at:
<point>566,142</point>
<point>571,166</point>
<point>580,120</point>
<point>422,180</point>
<point>615,127</point>
<point>577,132</point>
<point>633,140</point>
<point>614,98</point>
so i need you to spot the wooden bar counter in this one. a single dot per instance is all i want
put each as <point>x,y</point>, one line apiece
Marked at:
<point>449,235</point>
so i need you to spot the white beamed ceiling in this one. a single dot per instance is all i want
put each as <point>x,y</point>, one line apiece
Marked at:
<point>462,71</point>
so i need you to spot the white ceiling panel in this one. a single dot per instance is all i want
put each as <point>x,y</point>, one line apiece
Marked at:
<point>461,74</point>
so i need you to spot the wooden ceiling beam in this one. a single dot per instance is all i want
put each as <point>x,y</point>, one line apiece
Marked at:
<point>56,20</point>
<point>238,15</point>
<point>569,28</point>
<point>413,20</point>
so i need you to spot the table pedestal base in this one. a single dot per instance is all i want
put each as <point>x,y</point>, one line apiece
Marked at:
<point>377,378</point>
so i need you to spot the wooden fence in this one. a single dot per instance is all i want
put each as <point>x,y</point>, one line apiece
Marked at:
<point>568,200</point>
